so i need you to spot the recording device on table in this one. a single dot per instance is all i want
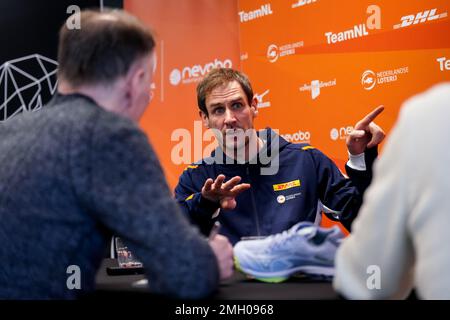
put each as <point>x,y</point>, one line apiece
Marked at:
<point>127,263</point>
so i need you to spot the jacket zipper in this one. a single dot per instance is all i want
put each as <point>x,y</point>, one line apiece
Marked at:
<point>255,212</point>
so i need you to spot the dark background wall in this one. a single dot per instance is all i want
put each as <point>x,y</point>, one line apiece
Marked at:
<point>28,48</point>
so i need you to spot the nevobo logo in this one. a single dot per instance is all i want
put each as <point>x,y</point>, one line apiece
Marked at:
<point>340,133</point>
<point>196,72</point>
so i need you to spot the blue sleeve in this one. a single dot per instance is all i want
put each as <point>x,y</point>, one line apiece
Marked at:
<point>198,209</point>
<point>362,179</point>
<point>339,195</point>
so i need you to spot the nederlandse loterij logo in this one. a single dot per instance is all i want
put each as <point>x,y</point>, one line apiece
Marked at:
<point>444,63</point>
<point>299,136</point>
<point>274,51</point>
<point>420,17</point>
<point>196,72</point>
<point>315,86</point>
<point>340,133</point>
<point>260,97</point>
<point>370,78</point>
<point>301,3</point>
<point>281,199</point>
<point>359,30</point>
<point>265,10</point>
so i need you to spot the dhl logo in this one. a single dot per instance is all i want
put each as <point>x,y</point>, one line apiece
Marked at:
<point>286,185</point>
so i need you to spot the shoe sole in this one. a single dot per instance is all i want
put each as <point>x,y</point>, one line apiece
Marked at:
<point>277,277</point>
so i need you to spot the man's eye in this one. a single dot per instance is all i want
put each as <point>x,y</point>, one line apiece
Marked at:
<point>218,111</point>
<point>237,105</point>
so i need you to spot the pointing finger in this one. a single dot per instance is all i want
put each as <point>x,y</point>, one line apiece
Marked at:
<point>370,117</point>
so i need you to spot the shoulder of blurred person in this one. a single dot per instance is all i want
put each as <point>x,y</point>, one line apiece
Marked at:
<point>405,209</point>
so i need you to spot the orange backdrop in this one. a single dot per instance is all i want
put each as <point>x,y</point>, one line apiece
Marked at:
<point>384,66</point>
<point>317,66</point>
<point>325,64</point>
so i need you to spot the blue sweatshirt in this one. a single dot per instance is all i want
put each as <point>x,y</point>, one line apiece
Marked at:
<point>289,183</point>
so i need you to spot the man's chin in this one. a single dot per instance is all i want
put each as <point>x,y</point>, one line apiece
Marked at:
<point>237,150</point>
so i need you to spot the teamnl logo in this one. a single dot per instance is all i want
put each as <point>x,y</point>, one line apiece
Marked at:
<point>260,100</point>
<point>359,30</point>
<point>296,137</point>
<point>274,51</point>
<point>315,86</point>
<point>420,17</point>
<point>444,63</point>
<point>302,3</point>
<point>263,11</point>
<point>340,133</point>
<point>371,78</point>
<point>196,72</point>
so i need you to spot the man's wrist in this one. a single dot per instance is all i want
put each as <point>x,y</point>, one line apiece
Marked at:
<point>209,204</point>
<point>357,162</point>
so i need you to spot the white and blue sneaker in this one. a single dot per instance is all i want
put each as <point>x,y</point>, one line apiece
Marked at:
<point>304,248</point>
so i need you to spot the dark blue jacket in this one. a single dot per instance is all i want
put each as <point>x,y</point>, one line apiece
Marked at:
<point>306,183</point>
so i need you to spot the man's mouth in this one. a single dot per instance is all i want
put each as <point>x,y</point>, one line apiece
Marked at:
<point>230,133</point>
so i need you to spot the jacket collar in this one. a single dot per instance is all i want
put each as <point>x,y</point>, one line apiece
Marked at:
<point>273,144</point>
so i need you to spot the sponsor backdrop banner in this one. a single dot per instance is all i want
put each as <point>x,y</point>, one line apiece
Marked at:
<point>323,64</point>
<point>317,66</point>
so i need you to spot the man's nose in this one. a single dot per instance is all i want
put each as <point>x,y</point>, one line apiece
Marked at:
<point>229,117</point>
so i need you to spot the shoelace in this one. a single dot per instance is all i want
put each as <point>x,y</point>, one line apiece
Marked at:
<point>281,238</point>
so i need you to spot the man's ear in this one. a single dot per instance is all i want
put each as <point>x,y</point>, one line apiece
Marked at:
<point>130,85</point>
<point>127,96</point>
<point>137,77</point>
<point>205,118</point>
<point>254,106</point>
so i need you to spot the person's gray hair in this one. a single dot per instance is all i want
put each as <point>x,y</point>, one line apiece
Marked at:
<point>103,49</point>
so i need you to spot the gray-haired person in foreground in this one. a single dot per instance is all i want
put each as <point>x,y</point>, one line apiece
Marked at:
<point>80,170</point>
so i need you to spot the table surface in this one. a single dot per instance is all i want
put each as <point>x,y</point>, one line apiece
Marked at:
<point>238,287</point>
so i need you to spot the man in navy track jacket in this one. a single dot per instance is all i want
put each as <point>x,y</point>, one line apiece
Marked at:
<point>257,183</point>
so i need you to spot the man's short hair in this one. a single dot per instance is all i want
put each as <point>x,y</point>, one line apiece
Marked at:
<point>218,77</point>
<point>103,49</point>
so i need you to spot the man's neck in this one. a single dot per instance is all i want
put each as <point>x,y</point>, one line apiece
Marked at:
<point>249,152</point>
<point>101,96</point>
